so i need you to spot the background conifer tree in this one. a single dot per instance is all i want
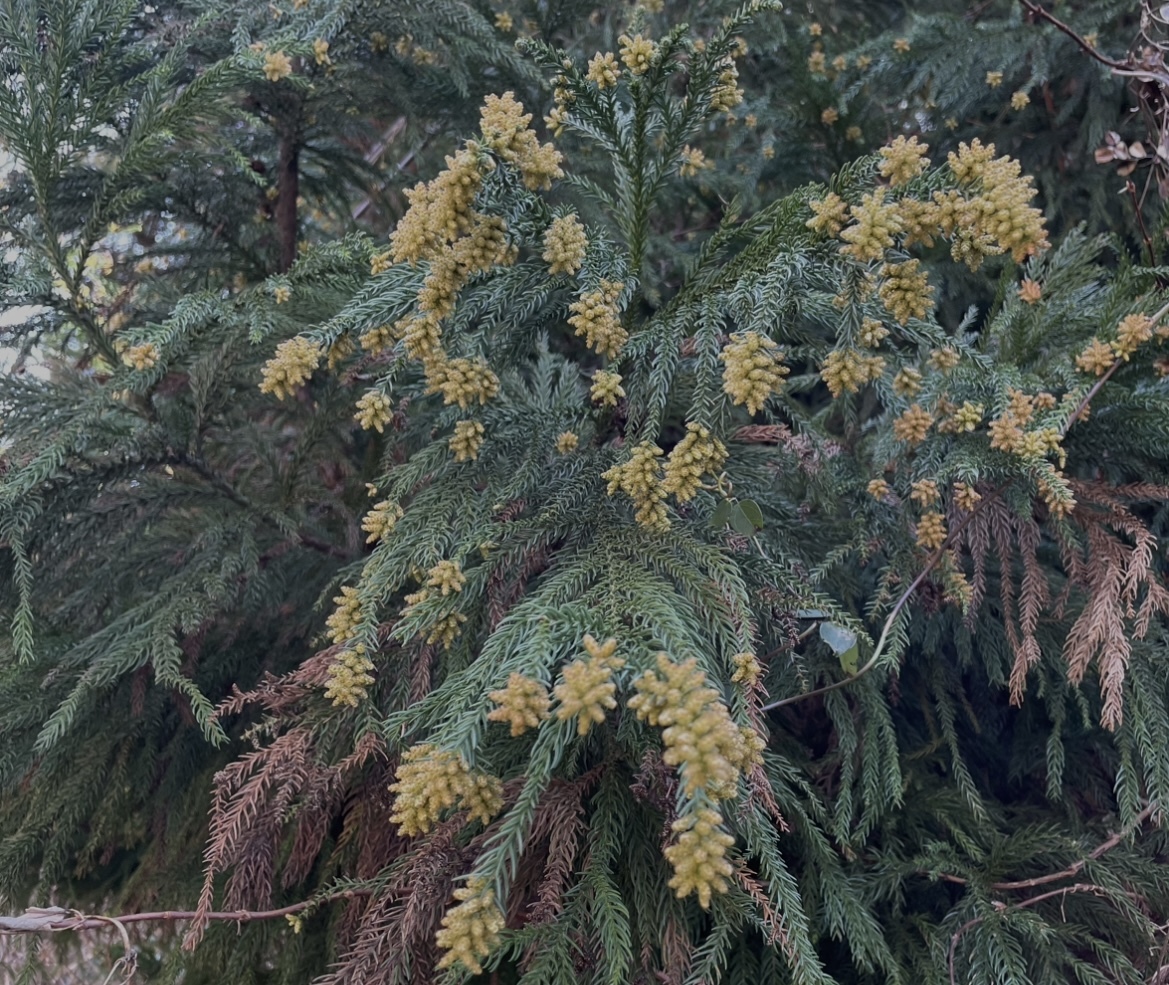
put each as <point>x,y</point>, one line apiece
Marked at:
<point>624,555</point>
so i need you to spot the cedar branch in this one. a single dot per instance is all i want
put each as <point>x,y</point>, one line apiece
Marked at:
<point>937,555</point>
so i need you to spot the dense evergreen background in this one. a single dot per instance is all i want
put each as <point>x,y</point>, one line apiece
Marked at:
<point>195,714</point>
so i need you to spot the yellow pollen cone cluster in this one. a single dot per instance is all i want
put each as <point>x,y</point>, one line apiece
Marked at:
<point>141,357</point>
<point>903,160</point>
<point>639,477</point>
<point>294,361</point>
<point>754,369</point>
<point>523,704</point>
<point>931,531</point>
<point>349,678</point>
<point>595,316</point>
<point>698,733</point>
<point>432,780</point>
<point>905,290</point>
<point>875,224</point>
<point>346,617</point>
<point>381,520</point>
<point>374,411</point>
<point>849,370</point>
<point>696,455</point>
<point>829,215</point>
<point>588,690</point>
<point>447,577</point>
<point>698,855</point>
<point>466,440</point>
<point>637,53</point>
<point>565,244</point>
<point>603,70</point>
<point>913,425</point>
<point>470,931</point>
<point>606,389</point>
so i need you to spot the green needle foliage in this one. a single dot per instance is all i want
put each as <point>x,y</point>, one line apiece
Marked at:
<point>641,563</point>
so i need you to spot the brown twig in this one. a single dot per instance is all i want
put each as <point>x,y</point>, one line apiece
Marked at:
<point>56,919</point>
<point>900,604</point>
<point>1079,887</point>
<point>1131,188</point>
<point>1079,39</point>
<point>1072,870</point>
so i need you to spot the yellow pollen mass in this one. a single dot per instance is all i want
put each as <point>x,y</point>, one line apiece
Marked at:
<point>847,370</point>
<point>874,226</point>
<point>903,160</point>
<point>905,290</point>
<point>587,689</point>
<point>830,214</point>
<point>693,161</point>
<point>565,244</point>
<point>141,357</point>
<point>349,678</point>
<point>966,497</point>
<point>639,477</point>
<point>523,704</point>
<point>381,520</point>
<point>595,316</point>
<point>374,411</point>
<point>606,389</point>
<point>603,70</point>
<point>931,531</point>
<point>925,492</point>
<point>637,53</point>
<point>345,619</point>
<point>698,856</point>
<point>697,454</point>
<point>699,736</point>
<point>432,780</point>
<point>470,931</point>
<point>277,66</point>
<point>913,425</point>
<point>467,440</point>
<point>754,370</point>
<point>446,576</point>
<point>294,362</point>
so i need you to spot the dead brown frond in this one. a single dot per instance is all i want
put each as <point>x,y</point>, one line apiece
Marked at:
<point>762,434</point>
<point>508,582</point>
<point>677,954</point>
<point>420,673</point>
<point>1108,559</point>
<point>996,528</point>
<point>394,940</point>
<point>771,917</point>
<point>255,799</point>
<point>251,796</point>
<point>560,820</point>
<point>281,694</point>
<point>1121,584</point>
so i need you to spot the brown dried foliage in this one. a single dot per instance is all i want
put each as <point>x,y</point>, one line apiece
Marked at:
<point>257,797</point>
<point>560,821</point>
<point>394,940</point>
<point>1108,556</point>
<point>508,583</point>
